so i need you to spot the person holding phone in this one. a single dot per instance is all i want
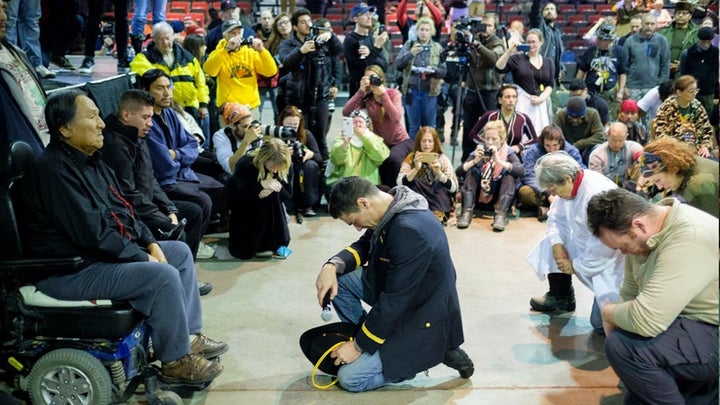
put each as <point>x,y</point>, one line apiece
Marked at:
<point>423,67</point>
<point>534,76</point>
<point>359,153</point>
<point>490,176</point>
<point>429,172</point>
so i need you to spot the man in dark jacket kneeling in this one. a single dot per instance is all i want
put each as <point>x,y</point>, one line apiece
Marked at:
<point>409,280</point>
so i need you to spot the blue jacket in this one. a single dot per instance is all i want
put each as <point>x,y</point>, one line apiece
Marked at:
<point>168,133</point>
<point>535,152</point>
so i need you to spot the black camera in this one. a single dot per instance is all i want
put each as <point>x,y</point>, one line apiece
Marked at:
<point>375,80</point>
<point>314,32</point>
<point>487,153</point>
<point>247,41</point>
<point>279,131</point>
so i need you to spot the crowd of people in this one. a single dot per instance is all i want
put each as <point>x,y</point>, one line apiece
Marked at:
<point>186,153</point>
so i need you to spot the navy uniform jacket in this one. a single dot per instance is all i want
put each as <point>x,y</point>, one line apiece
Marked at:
<point>415,318</point>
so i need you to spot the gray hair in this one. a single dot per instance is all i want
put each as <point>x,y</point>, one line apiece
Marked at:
<point>551,169</point>
<point>162,28</point>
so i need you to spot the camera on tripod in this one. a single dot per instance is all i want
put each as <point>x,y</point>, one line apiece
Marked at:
<point>316,31</point>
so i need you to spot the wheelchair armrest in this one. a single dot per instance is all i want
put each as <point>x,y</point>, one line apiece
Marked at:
<point>38,269</point>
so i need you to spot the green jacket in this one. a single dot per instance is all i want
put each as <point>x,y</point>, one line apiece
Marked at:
<point>689,38</point>
<point>357,161</point>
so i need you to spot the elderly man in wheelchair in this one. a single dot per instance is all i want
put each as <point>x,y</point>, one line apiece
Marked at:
<point>81,241</point>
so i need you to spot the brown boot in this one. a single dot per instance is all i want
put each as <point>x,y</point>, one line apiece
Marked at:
<point>206,347</point>
<point>468,203</point>
<point>190,369</point>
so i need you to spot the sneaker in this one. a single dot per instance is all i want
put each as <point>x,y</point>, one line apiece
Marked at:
<point>205,251</point>
<point>204,287</point>
<point>86,68</point>
<point>206,347</point>
<point>551,303</point>
<point>44,72</point>
<point>190,369</point>
<point>283,252</point>
<point>62,62</point>
<point>460,361</point>
<point>309,212</point>
<point>123,67</point>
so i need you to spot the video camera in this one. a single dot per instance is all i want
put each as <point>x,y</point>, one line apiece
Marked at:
<point>467,28</point>
<point>288,135</point>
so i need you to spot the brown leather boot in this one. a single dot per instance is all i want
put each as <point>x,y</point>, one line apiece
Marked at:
<point>190,369</point>
<point>468,204</point>
<point>207,347</point>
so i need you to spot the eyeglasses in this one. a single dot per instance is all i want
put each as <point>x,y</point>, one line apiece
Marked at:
<point>693,90</point>
<point>283,22</point>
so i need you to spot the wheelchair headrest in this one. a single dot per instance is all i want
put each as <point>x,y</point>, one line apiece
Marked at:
<point>19,159</point>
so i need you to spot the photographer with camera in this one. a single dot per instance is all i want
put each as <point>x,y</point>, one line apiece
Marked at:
<point>361,48</point>
<point>307,57</point>
<point>385,109</point>
<point>237,138</point>
<point>423,67</point>
<point>262,182</point>
<point>235,63</point>
<point>306,162</point>
<point>490,176</point>
<point>484,50</point>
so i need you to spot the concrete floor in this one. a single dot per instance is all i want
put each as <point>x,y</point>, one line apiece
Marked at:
<point>260,307</point>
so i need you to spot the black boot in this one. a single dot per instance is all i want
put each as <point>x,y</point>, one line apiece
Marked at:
<point>561,296</point>
<point>137,42</point>
<point>466,213</point>
<point>460,361</point>
<point>501,210</point>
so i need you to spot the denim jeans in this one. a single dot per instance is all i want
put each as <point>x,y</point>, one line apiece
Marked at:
<point>23,21</point>
<point>365,373</point>
<point>166,294</point>
<point>351,292</point>
<point>140,14</point>
<point>422,111</point>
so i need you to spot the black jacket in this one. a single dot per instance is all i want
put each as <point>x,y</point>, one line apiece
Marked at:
<point>71,206</point>
<point>356,66</point>
<point>307,72</point>
<point>128,155</point>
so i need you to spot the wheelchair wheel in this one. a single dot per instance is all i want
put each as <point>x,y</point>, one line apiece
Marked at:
<point>69,376</point>
<point>167,398</point>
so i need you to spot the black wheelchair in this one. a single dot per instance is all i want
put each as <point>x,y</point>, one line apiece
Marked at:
<point>62,352</point>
